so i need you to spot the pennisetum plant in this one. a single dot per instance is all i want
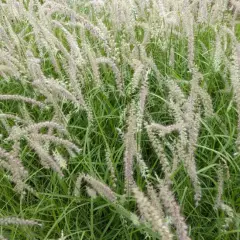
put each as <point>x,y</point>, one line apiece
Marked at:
<point>64,51</point>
